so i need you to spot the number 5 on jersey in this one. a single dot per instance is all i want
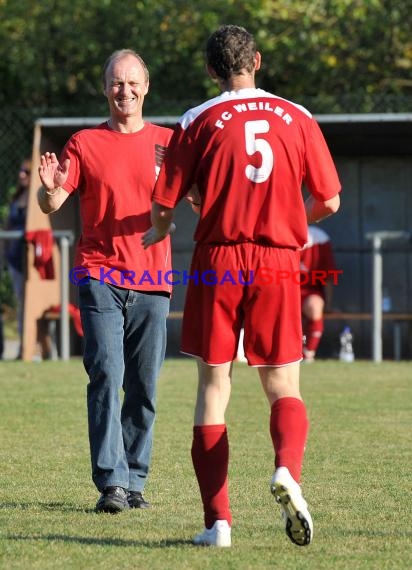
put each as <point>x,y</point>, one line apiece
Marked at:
<point>255,144</point>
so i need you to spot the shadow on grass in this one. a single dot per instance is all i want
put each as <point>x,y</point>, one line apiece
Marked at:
<point>379,533</point>
<point>61,507</point>
<point>102,541</point>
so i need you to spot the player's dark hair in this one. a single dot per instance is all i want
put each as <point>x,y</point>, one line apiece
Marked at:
<point>230,50</point>
<point>118,54</point>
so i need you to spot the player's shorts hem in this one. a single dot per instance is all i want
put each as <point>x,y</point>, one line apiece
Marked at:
<point>275,365</point>
<point>308,292</point>
<point>193,355</point>
<point>205,361</point>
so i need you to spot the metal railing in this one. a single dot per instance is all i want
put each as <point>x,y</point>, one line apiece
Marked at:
<point>378,239</point>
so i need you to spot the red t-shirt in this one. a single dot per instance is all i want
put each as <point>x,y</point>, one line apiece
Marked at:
<point>317,256</point>
<point>248,152</point>
<point>114,174</point>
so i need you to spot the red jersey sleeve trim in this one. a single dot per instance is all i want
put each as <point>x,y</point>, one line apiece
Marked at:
<point>163,201</point>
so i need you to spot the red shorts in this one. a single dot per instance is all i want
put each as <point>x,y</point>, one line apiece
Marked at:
<point>248,285</point>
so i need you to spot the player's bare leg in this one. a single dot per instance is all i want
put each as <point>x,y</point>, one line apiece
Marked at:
<point>288,428</point>
<point>213,393</point>
<point>210,453</point>
<point>312,311</point>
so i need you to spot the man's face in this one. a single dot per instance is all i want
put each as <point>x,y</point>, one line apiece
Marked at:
<point>24,174</point>
<point>126,87</point>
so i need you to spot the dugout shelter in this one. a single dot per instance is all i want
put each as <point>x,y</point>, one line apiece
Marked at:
<point>373,155</point>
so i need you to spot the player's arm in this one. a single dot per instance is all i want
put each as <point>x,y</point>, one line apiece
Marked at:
<point>327,263</point>
<point>317,210</point>
<point>162,218</point>
<point>51,200</point>
<point>51,195</point>
<point>194,199</point>
<point>162,225</point>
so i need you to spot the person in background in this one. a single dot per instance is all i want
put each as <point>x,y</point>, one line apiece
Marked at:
<point>113,167</point>
<point>247,152</point>
<point>15,249</point>
<point>316,264</point>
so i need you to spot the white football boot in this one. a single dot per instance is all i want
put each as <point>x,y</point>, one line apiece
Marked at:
<point>299,525</point>
<point>218,535</point>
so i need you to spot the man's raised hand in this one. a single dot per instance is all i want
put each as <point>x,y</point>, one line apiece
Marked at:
<point>52,173</point>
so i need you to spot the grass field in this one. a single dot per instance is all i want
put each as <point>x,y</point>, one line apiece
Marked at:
<point>357,474</point>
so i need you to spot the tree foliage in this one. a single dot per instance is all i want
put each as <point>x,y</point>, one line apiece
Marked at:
<point>330,55</point>
<point>346,53</point>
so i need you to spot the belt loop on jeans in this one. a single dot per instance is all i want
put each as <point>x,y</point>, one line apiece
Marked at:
<point>131,298</point>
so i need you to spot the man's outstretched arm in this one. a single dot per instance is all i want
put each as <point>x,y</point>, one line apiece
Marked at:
<point>162,225</point>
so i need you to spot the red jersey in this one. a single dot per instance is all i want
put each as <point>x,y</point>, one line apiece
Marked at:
<point>248,153</point>
<point>114,174</point>
<point>317,255</point>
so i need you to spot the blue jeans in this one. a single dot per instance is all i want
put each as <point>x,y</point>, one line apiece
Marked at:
<point>124,348</point>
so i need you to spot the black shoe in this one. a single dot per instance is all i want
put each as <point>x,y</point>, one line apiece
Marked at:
<point>136,500</point>
<point>112,500</point>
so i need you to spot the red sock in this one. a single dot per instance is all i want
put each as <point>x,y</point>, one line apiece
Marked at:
<point>289,429</point>
<point>313,333</point>
<point>210,456</point>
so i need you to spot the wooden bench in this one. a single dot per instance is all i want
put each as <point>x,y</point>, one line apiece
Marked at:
<point>50,319</point>
<point>396,318</point>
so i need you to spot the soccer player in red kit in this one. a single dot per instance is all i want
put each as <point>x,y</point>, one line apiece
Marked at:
<point>245,153</point>
<point>318,268</point>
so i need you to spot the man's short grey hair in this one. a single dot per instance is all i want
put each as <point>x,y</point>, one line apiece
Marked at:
<point>118,54</point>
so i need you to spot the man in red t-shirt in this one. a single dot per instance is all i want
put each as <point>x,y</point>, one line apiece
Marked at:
<point>123,305</point>
<point>318,273</point>
<point>242,158</point>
